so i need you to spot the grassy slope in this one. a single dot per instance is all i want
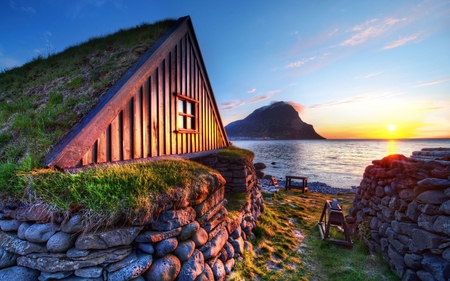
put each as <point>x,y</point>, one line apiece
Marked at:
<point>44,98</point>
<point>283,255</point>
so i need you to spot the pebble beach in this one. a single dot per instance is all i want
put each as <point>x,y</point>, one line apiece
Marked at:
<point>318,187</point>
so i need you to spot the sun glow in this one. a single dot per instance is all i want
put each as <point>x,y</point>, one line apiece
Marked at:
<point>391,127</point>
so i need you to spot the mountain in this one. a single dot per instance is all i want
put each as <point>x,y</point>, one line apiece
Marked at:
<point>277,121</point>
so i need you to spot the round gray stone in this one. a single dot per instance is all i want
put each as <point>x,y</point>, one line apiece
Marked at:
<point>22,228</point>
<point>133,270</point>
<point>188,231</point>
<point>200,238</point>
<point>61,242</point>
<point>192,267</point>
<point>19,273</point>
<point>219,271</point>
<point>184,250</point>
<point>10,225</point>
<point>165,247</point>
<point>41,232</point>
<point>164,269</point>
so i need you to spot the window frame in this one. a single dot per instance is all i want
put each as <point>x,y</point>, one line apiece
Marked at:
<point>184,113</point>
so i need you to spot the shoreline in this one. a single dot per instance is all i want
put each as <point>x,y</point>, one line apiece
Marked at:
<point>318,187</point>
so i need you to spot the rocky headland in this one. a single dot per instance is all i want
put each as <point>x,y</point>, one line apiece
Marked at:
<point>276,121</point>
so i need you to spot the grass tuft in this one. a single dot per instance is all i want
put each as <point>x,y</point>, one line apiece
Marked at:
<point>125,193</point>
<point>236,153</point>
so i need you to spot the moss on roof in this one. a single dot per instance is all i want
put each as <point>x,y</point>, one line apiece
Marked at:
<point>41,100</point>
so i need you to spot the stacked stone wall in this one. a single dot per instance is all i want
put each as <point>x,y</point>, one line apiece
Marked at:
<point>402,210</point>
<point>196,241</point>
<point>239,174</point>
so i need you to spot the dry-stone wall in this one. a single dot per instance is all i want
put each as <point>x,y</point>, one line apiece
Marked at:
<point>194,242</point>
<point>402,210</point>
<point>239,174</point>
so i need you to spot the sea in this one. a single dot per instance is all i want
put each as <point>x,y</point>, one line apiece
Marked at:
<point>337,163</point>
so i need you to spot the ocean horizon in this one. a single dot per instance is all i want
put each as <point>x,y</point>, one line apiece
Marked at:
<point>335,162</point>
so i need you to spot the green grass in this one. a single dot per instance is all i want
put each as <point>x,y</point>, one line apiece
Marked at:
<point>112,193</point>
<point>281,255</point>
<point>41,100</point>
<point>236,153</point>
<point>236,201</point>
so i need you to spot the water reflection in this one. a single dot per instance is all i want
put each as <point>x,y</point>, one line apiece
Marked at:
<point>339,163</point>
<point>391,147</point>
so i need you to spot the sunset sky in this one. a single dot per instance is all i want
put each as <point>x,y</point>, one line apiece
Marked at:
<point>353,69</point>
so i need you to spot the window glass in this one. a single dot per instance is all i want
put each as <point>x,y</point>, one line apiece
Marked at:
<point>187,110</point>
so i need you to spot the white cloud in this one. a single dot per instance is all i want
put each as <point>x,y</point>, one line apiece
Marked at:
<point>237,103</point>
<point>369,29</point>
<point>368,75</point>
<point>400,42</point>
<point>251,90</point>
<point>231,105</point>
<point>433,82</point>
<point>299,63</point>
<point>263,97</point>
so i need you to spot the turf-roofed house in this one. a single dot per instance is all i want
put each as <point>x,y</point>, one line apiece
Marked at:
<point>91,181</point>
<point>163,105</point>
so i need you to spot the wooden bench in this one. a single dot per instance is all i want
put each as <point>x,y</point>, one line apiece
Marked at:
<point>289,185</point>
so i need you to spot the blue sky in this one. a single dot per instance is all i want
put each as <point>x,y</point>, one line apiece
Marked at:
<point>353,69</point>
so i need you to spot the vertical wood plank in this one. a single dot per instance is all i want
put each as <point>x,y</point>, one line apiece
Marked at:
<point>108,143</point>
<point>183,67</point>
<point>116,140</point>
<point>161,119</point>
<point>202,118</point>
<point>101,148</point>
<point>167,138</point>
<point>145,119</point>
<point>87,158</point>
<point>181,90</point>
<point>173,100</point>
<point>153,114</point>
<point>197,97</point>
<point>127,131</point>
<point>188,66</point>
<point>137,126</point>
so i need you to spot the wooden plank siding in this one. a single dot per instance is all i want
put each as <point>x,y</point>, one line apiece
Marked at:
<point>147,124</point>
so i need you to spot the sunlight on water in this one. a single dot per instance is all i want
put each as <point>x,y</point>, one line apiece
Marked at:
<point>392,147</point>
<point>338,163</point>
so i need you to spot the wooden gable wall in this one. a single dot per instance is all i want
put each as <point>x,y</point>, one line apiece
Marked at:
<point>143,118</point>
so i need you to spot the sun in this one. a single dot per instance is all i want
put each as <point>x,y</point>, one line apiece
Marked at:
<point>391,127</point>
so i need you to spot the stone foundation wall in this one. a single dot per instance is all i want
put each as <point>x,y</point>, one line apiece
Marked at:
<point>402,210</point>
<point>239,174</point>
<point>193,242</point>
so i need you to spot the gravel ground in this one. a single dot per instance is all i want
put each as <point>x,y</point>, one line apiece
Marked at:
<point>319,187</point>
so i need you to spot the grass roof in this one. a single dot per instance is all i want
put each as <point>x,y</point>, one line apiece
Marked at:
<point>41,100</point>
